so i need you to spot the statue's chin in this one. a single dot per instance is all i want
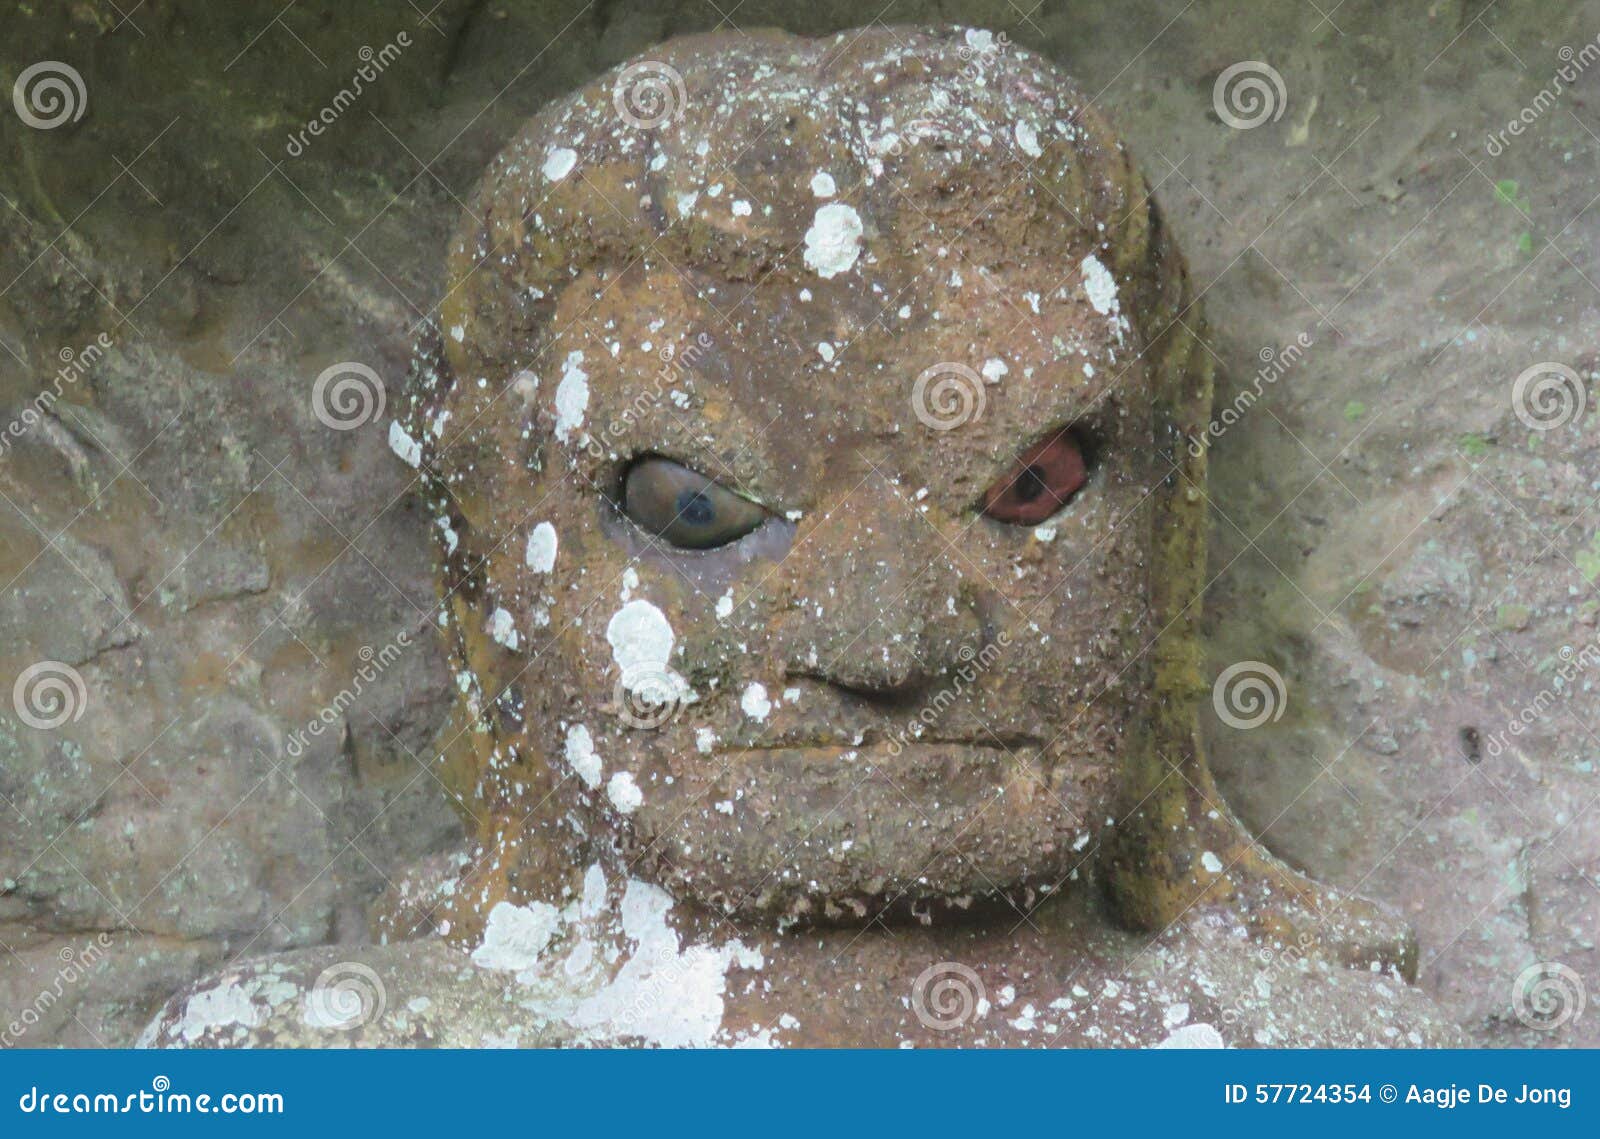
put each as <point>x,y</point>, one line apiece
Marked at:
<point>914,831</point>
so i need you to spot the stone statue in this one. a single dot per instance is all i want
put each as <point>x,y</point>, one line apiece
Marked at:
<point>805,436</point>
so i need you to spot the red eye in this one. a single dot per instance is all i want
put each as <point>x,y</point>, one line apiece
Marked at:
<point>1046,476</point>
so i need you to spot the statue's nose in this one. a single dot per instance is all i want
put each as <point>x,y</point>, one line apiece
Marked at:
<point>877,605</point>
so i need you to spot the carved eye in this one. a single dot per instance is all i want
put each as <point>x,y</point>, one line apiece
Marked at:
<point>1044,479</point>
<point>685,508</point>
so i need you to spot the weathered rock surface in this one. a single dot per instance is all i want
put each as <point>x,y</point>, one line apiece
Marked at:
<point>184,532</point>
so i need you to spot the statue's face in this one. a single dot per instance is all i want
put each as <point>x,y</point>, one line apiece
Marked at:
<point>821,586</point>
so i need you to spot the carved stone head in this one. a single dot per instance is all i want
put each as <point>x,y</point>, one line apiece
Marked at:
<point>805,435</point>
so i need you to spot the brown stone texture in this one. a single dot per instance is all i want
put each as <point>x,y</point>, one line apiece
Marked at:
<point>246,590</point>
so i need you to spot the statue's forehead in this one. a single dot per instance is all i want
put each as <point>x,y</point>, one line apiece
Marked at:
<point>1035,346</point>
<point>826,226</point>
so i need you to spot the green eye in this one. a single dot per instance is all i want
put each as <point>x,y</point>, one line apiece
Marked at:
<point>684,507</point>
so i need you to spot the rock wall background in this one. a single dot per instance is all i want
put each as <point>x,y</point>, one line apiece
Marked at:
<point>180,529</point>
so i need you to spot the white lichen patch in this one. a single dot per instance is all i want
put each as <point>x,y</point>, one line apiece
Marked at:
<point>664,994</point>
<point>515,936</point>
<point>834,240</point>
<point>572,396</point>
<point>1099,286</point>
<point>624,793</point>
<point>224,1006</point>
<point>1028,140</point>
<point>754,701</point>
<point>822,184</point>
<point>540,555</point>
<point>503,628</point>
<point>1193,1036</point>
<point>582,757</point>
<point>594,891</point>
<point>641,644</point>
<point>1211,862</point>
<point>559,163</point>
<point>402,444</point>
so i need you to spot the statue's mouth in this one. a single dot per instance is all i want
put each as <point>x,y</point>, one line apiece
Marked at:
<point>879,743</point>
<point>984,761</point>
<point>830,824</point>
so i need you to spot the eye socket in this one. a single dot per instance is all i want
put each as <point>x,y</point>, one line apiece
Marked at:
<point>1043,480</point>
<point>684,507</point>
